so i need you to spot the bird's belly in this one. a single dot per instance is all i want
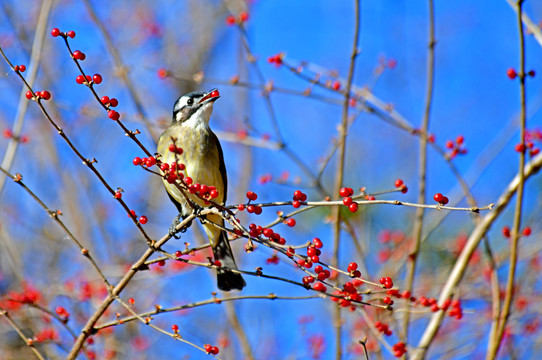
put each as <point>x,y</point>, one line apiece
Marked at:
<point>201,159</point>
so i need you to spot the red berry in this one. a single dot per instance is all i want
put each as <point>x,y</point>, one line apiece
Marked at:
<point>459,140</point>
<point>105,100</point>
<point>55,32</point>
<point>527,231</point>
<point>137,161</point>
<point>344,192</point>
<point>162,73</point>
<point>387,300</point>
<point>80,79</point>
<point>7,133</point>
<point>317,243</point>
<point>319,287</point>
<point>118,195</point>
<point>207,348</point>
<point>230,20</point>
<point>22,68</point>
<point>29,95</point>
<point>290,222</point>
<point>506,231</point>
<point>97,78</point>
<point>214,350</point>
<point>520,148</point>
<point>46,95</point>
<point>352,267</point>
<point>243,16</point>
<point>213,193</point>
<point>175,328</point>
<point>71,34</point>
<point>318,269</point>
<point>353,207</point>
<point>241,207</point>
<point>114,102</point>
<point>143,220</point>
<point>438,197</point>
<point>296,204</point>
<point>252,195</point>
<point>347,201</point>
<point>60,310</point>
<point>511,73</point>
<point>336,85</point>
<point>113,115</point>
<point>398,183</point>
<point>445,201</point>
<point>449,144</point>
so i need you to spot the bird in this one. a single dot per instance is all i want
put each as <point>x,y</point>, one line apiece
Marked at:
<point>202,161</point>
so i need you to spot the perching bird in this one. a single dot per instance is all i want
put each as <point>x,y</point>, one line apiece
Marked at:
<point>204,164</point>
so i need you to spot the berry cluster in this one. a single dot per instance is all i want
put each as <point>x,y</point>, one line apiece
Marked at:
<point>211,349</point>
<point>148,162</point>
<point>322,273</point>
<point>346,193</point>
<point>383,328</point>
<point>257,230</point>
<point>456,148</point>
<point>348,294</point>
<point>252,209</point>
<point>441,199</point>
<point>506,231</point>
<point>8,134</point>
<point>512,74</point>
<point>353,270</point>
<point>19,68</point>
<point>45,95</point>
<point>79,55</point>
<point>399,349</point>
<point>240,19</point>
<point>276,59</point>
<point>387,282</point>
<point>298,198</point>
<point>399,184</point>
<point>56,32</point>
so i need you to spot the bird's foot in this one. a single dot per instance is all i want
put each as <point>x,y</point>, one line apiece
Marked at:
<point>173,228</point>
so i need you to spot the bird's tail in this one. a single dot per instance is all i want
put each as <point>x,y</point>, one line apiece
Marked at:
<point>226,279</point>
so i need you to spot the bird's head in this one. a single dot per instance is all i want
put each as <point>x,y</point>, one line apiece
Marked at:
<point>195,108</point>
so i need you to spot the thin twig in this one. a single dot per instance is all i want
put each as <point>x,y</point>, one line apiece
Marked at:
<point>495,342</point>
<point>27,341</point>
<point>55,216</point>
<point>123,72</point>
<point>33,66</point>
<point>422,166</point>
<point>89,329</point>
<point>462,261</point>
<point>339,175</point>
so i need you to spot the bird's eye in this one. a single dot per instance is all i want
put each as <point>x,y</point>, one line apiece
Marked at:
<point>190,101</point>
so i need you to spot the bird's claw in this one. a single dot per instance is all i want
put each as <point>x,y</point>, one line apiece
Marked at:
<point>173,228</point>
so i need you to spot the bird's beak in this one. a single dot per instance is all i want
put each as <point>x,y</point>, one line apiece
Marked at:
<point>210,96</point>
